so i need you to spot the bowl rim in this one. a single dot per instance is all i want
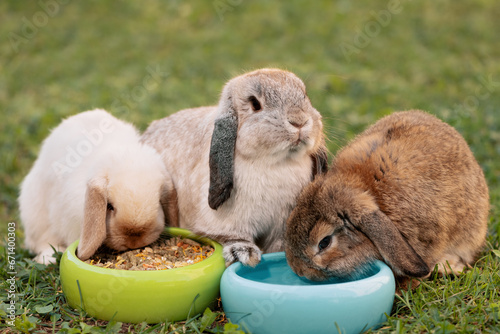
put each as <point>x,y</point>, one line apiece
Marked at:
<point>383,271</point>
<point>175,231</point>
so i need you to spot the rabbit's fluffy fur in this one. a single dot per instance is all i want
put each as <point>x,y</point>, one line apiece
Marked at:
<point>93,181</point>
<point>407,191</point>
<point>238,167</point>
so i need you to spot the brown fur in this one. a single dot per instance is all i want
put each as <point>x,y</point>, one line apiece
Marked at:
<point>407,191</point>
<point>128,226</point>
<point>93,230</point>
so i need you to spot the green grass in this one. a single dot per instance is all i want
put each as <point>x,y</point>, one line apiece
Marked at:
<point>360,60</point>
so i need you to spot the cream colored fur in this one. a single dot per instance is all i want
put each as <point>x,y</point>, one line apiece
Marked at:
<point>89,164</point>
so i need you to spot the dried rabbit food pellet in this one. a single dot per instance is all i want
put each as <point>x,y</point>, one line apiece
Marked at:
<point>165,253</point>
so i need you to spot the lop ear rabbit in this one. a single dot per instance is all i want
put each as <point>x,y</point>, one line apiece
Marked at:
<point>93,181</point>
<point>407,191</point>
<point>238,167</point>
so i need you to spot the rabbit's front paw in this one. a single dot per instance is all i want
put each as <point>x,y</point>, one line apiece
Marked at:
<point>241,250</point>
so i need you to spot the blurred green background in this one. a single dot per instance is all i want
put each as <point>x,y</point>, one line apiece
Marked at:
<point>360,60</point>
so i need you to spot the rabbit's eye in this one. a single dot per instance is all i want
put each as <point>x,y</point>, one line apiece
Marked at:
<point>256,106</point>
<point>325,242</point>
<point>110,207</point>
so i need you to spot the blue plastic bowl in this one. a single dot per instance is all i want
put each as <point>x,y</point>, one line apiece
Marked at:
<point>271,298</point>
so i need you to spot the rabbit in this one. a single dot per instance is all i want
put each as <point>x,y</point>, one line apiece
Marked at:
<point>238,168</point>
<point>94,181</point>
<point>407,191</point>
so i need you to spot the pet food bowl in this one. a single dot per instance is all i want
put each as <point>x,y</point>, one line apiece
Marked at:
<point>143,296</point>
<point>271,298</point>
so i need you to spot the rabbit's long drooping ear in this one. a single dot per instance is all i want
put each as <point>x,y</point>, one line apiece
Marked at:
<point>391,244</point>
<point>168,200</point>
<point>93,232</point>
<point>320,161</point>
<point>221,159</point>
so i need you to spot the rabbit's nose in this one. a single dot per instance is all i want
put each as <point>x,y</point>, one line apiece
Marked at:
<point>134,240</point>
<point>297,123</point>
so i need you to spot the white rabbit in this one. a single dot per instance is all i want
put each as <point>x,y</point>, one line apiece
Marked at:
<point>238,167</point>
<point>93,181</point>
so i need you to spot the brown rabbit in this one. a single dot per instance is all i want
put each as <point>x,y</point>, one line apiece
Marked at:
<point>407,191</point>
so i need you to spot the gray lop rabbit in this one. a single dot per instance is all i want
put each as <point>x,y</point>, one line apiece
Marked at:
<point>407,191</point>
<point>238,168</point>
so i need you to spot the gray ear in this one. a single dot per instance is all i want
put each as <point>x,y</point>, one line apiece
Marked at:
<point>93,231</point>
<point>320,161</point>
<point>391,244</point>
<point>169,204</point>
<point>221,160</point>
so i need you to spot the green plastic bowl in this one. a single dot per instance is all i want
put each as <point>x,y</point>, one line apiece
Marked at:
<point>143,296</point>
